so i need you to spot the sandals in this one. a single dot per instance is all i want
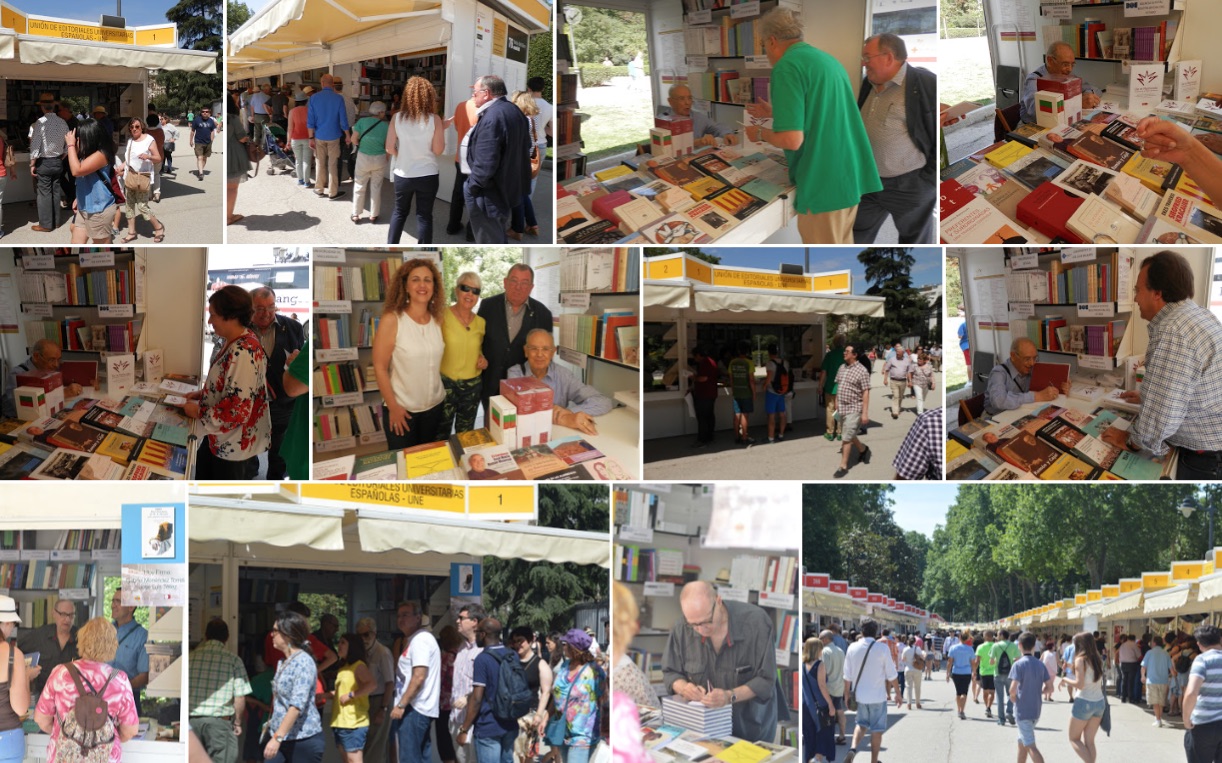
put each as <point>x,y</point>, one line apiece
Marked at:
<point>356,219</point>
<point>233,220</point>
<point>129,238</point>
<point>159,237</point>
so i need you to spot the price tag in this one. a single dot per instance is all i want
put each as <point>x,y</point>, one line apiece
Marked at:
<point>1096,362</point>
<point>74,594</point>
<point>734,594</point>
<point>368,438</point>
<point>782,658</point>
<point>10,555</point>
<point>35,555</point>
<point>659,589</point>
<point>342,443</point>
<point>776,600</point>
<point>1025,261</point>
<point>116,311</point>
<point>573,356</point>
<point>697,63</point>
<point>758,62</point>
<point>332,306</point>
<point>38,310</point>
<point>1022,310</point>
<point>577,299</point>
<point>329,255</point>
<point>1077,254</point>
<point>38,261</point>
<point>347,398</point>
<point>1057,11</point>
<point>337,354</point>
<point>700,17</point>
<point>65,555</point>
<point>498,499</point>
<point>1096,309</point>
<point>636,534</point>
<point>106,555</point>
<point>747,10</point>
<point>97,259</point>
<point>1147,7</point>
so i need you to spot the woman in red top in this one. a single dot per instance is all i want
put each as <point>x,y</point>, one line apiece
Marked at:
<point>299,136</point>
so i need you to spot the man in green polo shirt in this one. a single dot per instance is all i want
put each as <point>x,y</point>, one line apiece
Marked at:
<point>816,121</point>
<point>987,670</point>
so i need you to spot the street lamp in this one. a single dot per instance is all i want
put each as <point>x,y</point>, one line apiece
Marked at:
<point>1191,504</point>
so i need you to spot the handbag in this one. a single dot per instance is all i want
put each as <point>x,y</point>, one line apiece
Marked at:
<point>10,158</point>
<point>536,156</point>
<point>137,182</point>
<point>558,726</point>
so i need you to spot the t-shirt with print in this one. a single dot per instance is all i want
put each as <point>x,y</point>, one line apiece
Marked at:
<point>59,697</point>
<point>742,371</point>
<point>486,673</point>
<point>1031,674</point>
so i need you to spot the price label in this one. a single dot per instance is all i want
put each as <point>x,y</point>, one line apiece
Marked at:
<point>782,658</point>
<point>38,261</point>
<point>329,255</point>
<point>35,555</point>
<point>1095,362</point>
<point>65,555</point>
<point>734,594</point>
<point>332,306</point>
<point>1096,309</point>
<point>1022,310</point>
<point>97,259</point>
<point>74,594</point>
<point>502,499</point>
<point>368,438</point>
<point>10,555</point>
<point>776,600</point>
<point>636,534</point>
<point>116,311</point>
<point>747,10</point>
<point>659,589</point>
<point>38,310</point>
<point>577,299</point>
<point>1057,11</point>
<point>758,62</point>
<point>1147,7</point>
<point>106,555</point>
<point>700,17</point>
<point>1025,261</point>
<point>573,356</point>
<point>347,398</point>
<point>1077,254</point>
<point>341,443</point>
<point>337,354</point>
<point>697,63</point>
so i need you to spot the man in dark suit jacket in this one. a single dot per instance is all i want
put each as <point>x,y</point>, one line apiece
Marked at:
<point>508,318</point>
<point>498,155</point>
<point>899,106</point>
<point>284,336</point>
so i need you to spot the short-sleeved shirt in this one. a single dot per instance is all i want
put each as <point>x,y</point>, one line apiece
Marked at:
<point>1031,675</point>
<point>833,666</point>
<point>962,654</point>
<point>742,371</point>
<point>202,129</point>
<point>294,686</point>
<point>852,383</point>
<point>373,135</point>
<point>1158,666</point>
<point>59,697</point>
<point>487,670</point>
<point>580,693</point>
<point>811,93</point>
<point>995,653</point>
<point>422,651</point>
<point>381,666</point>
<point>294,449</point>
<point>983,654</point>
<point>131,657</point>
<point>868,670</point>
<point>45,641</point>
<point>831,364</point>
<point>217,676</point>
<point>1208,665</point>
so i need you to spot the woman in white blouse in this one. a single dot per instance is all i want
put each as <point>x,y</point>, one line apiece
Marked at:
<point>139,156</point>
<point>407,350</point>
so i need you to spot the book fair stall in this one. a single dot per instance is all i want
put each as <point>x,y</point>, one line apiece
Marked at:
<point>669,541</point>
<point>1068,172</point>
<point>358,551</point>
<point>1075,305</point>
<point>127,326</point>
<point>374,49</point>
<point>62,544</point>
<point>688,302</point>
<point>826,601</point>
<point>592,295</point>
<point>84,64</point>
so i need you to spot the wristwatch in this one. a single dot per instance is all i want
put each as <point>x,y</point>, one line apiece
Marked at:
<point>279,739</point>
<point>733,696</point>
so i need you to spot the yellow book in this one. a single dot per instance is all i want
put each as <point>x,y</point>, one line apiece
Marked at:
<point>1003,157</point>
<point>743,752</point>
<point>1067,467</point>
<point>423,460</point>
<point>704,187</point>
<point>118,447</point>
<point>1152,173</point>
<point>611,173</point>
<point>954,449</point>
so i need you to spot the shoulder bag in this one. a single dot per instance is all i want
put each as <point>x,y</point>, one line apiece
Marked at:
<point>536,156</point>
<point>137,182</point>
<point>853,694</point>
<point>10,159</point>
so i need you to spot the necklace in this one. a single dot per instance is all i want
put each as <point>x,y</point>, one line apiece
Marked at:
<point>466,322</point>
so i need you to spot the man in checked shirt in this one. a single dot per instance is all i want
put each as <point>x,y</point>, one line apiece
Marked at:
<point>1181,397</point>
<point>853,406</point>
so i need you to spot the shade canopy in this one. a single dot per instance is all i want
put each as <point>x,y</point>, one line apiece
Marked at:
<point>669,300</point>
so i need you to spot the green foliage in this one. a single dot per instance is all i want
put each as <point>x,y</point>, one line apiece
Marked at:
<point>327,604</point>
<point>594,75</point>
<point>491,262</point>
<point>141,615</point>
<point>694,251</point>
<point>539,61</point>
<point>953,293</point>
<point>199,28</point>
<point>889,271</point>
<point>605,33</point>
<point>961,18</point>
<point>236,15</point>
<point>542,594</point>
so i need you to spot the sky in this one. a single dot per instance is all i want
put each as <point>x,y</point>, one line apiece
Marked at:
<point>137,12</point>
<point>928,268</point>
<point>921,506</point>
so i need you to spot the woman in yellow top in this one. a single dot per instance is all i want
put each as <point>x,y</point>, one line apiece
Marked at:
<point>461,363</point>
<point>350,710</point>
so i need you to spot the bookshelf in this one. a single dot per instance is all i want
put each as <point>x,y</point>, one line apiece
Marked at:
<point>568,156</point>
<point>660,533</point>
<point>36,566</point>
<point>599,307</point>
<point>1082,34</point>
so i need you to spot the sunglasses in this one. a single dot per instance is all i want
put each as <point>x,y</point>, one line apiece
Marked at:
<point>469,289</point>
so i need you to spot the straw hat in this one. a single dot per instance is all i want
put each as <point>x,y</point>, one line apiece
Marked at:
<point>99,110</point>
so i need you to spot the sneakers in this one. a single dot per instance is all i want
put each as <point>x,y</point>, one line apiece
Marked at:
<point>771,440</point>
<point>838,437</point>
<point>865,456</point>
<point>781,436</point>
<point>748,441</point>
<point>1157,724</point>
<point>963,716</point>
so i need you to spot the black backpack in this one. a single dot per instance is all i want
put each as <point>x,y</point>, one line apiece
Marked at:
<point>1003,662</point>
<point>514,698</point>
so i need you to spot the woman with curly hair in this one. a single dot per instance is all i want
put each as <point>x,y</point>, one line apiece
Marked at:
<point>414,141</point>
<point>407,351</point>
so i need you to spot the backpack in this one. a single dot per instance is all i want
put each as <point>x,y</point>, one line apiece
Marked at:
<point>1183,664</point>
<point>87,731</point>
<point>514,698</point>
<point>1004,662</point>
<point>781,381</point>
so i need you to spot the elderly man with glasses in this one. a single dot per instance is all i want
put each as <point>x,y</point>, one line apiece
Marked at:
<point>1010,381</point>
<point>382,666</point>
<point>574,404</point>
<point>281,337</point>
<point>508,318</point>
<point>55,642</point>
<point>723,653</point>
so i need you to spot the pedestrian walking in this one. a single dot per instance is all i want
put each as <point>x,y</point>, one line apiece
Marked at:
<point>1003,656</point>
<point>1026,680</point>
<point>1091,703</point>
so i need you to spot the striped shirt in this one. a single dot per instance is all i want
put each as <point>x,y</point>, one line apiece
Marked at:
<point>1183,376</point>
<point>852,382</point>
<point>920,456</point>
<point>1208,665</point>
<point>886,121</point>
<point>216,677</point>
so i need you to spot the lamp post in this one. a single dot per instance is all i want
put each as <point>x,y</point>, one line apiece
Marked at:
<point>1191,504</point>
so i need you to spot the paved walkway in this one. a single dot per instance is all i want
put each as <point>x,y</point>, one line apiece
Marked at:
<point>936,733</point>
<point>803,454</point>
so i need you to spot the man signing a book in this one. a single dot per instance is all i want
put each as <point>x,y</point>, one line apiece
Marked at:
<point>1010,381</point>
<point>44,356</point>
<point>574,404</point>
<point>723,653</point>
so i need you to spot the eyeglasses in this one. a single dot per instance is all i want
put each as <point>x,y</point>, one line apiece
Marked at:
<point>65,614</point>
<point>480,90</point>
<point>707,622</point>
<point>865,58</point>
<point>469,289</point>
<point>266,309</point>
<point>539,350</point>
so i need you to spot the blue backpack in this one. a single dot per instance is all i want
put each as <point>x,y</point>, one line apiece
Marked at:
<point>514,698</point>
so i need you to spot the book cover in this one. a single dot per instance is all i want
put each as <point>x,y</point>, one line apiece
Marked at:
<point>737,203</point>
<point>979,222</point>
<point>1198,219</point>
<point>375,467</point>
<point>636,214</point>
<point>1044,375</point>
<point>1027,452</point>
<point>1048,209</point>
<point>172,458</point>
<point>74,465</point>
<point>1128,193</point>
<point>597,232</point>
<point>538,461</point>
<point>19,462</point>
<point>75,435</point>
<point>674,230</point>
<point>1155,174</point>
<point>141,471</point>
<point>703,187</point>
<point>1066,467</point>
<point>1101,151</point>
<point>423,460</point>
<point>575,450</point>
<point>1083,179</point>
<point>1005,155</point>
<point>677,172</point>
<point>491,462</point>
<point>1098,222</point>
<point>118,447</point>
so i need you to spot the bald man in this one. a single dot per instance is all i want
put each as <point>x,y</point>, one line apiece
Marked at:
<point>1058,63</point>
<point>44,356</point>
<point>724,653</point>
<point>705,132</point>
<point>1010,381</point>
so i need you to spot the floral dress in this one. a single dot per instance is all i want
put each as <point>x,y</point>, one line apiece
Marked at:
<point>626,730</point>
<point>579,698</point>
<point>234,409</point>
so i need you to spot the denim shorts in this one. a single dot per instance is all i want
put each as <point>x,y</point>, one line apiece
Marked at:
<point>1085,709</point>
<point>351,739</point>
<point>1026,733</point>
<point>872,716</point>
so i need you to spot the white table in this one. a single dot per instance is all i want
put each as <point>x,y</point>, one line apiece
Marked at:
<point>619,437</point>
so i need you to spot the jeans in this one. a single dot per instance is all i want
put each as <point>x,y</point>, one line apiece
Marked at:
<point>525,209</point>
<point>12,746</point>
<point>424,189</point>
<point>155,183</point>
<point>899,678</point>
<point>1005,707</point>
<point>327,179</point>
<point>168,151</point>
<point>415,744</point>
<point>456,199</point>
<point>3,182</point>
<point>706,417</point>
<point>1197,467</point>
<point>308,750</point>
<point>574,754</point>
<point>495,749</point>
<point>367,181</point>
<point>1129,689</point>
<point>303,159</point>
<point>49,191</point>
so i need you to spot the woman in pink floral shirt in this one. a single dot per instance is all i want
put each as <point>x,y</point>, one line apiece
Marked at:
<point>232,405</point>
<point>96,643</point>
<point>625,720</point>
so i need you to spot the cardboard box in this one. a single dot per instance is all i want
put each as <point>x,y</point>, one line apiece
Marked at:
<point>31,403</point>
<point>661,145</point>
<point>1070,89</point>
<point>503,421</point>
<point>683,143</point>
<point>1050,109</point>
<point>44,380</point>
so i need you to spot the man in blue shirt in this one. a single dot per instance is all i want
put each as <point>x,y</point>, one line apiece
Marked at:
<point>131,657</point>
<point>1058,63</point>
<point>574,404</point>
<point>202,128</point>
<point>493,737</point>
<point>1010,381</point>
<point>1027,679</point>
<point>1156,675</point>
<point>327,123</point>
<point>960,667</point>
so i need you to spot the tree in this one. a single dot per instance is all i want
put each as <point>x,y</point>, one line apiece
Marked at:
<point>199,28</point>
<point>491,262</point>
<point>889,271</point>
<point>696,252</point>
<point>236,15</point>
<point>605,33</point>
<point>539,62</point>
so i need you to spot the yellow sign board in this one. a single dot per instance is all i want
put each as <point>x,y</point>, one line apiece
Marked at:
<point>503,501</point>
<point>834,282</point>
<point>699,271</point>
<point>441,498</point>
<point>671,267</point>
<point>499,31</point>
<point>748,279</point>
<point>1128,585</point>
<point>1188,570</point>
<point>11,19</point>
<point>1094,595</point>
<point>157,36</point>
<point>1152,581</point>
<point>88,32</point>
<point>1111,591</point>
<point>1079,599</point>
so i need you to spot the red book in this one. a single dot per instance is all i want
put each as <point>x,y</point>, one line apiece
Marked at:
<point>1045,375</point>
<point>604,205</point>
<point>953,197</point>
<point>1048,209</point>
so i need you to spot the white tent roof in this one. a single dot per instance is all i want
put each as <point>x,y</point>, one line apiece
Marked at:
<point>1129,602</point>
<point>99,57</point>
<point>669,299</point>
<point>1170,599</point>
<point>1210,587</point>
<point>827,603</point>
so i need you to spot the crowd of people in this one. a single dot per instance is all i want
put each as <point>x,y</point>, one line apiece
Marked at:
<point>486,693</point>
<point>314,133</point>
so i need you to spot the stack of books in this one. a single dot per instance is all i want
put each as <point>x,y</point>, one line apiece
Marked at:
<point>713,721</point>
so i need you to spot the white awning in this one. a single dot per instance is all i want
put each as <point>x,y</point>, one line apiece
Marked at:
<point>41,50</point>
<point>385,531</point>
<point>719,304</point>
<point>8,43</point>
<point>1122,604</point>
<point>1052,616</point>
<point>317,528</point>
<point>673,294</point>
<point>1210,587</point>
<point>826,603</point>
<point>1167,600</point>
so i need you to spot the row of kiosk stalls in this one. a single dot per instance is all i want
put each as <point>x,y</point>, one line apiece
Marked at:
<point>365,548</point>
<point>86,64</point>
<point>375,49</point>
<point>688,302</point>
<point>96,535</point>
<point>826,601</point>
